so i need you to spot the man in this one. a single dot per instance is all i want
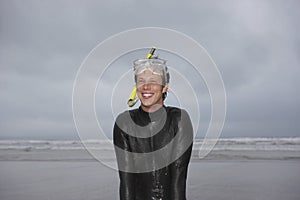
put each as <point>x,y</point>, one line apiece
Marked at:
<point>154,142</point>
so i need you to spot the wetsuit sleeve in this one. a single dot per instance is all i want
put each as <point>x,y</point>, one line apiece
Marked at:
<point>122,147</point>
<point>182,149</point>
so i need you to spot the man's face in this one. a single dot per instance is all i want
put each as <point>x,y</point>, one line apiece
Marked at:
<point>150,90</point>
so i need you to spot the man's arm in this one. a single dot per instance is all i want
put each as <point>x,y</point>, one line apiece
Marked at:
<point>182,149</point>
<point>122,149</point>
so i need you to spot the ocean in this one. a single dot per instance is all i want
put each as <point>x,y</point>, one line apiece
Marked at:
<point>225,149</point>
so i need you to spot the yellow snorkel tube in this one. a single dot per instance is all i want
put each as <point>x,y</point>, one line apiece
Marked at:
<point>133,98</point>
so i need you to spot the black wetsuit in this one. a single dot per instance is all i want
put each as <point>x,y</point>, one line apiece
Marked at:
<point>161,176</point>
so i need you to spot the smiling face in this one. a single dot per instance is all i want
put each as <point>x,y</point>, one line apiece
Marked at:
<point>150,90</point>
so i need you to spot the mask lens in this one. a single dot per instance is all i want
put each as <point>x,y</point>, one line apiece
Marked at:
<point>156,66</point>
<point>154,69</point>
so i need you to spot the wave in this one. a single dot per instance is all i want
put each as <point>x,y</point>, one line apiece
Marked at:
<point>234,144</point>
<point>225,149</point>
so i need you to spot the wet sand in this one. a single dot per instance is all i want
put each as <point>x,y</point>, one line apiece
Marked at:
<point>207,180</point>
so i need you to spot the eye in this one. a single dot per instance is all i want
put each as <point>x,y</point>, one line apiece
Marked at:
<point>140,81</point>
<point>153,81</point>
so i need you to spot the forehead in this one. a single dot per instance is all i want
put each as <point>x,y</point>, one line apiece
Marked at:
<point>148,74</point>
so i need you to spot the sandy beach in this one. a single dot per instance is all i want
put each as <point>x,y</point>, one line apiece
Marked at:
<point>208,180</point>
<point>237,169</point>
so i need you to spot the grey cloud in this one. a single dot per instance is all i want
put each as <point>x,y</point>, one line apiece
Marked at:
<point>255,44</point>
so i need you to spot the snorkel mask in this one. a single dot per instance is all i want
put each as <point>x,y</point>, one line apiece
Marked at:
<point>155,65</point>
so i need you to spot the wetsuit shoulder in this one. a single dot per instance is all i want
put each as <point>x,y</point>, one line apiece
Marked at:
<point>176,112</point>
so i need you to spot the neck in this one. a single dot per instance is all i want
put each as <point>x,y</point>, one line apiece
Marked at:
<point>152,108</point>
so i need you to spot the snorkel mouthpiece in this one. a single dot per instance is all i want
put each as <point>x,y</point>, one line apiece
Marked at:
<point>133,98</point>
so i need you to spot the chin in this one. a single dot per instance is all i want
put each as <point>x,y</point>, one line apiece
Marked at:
<point>147,104</point>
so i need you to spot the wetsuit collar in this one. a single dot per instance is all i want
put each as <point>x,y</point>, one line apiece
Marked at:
<point>153,116</point>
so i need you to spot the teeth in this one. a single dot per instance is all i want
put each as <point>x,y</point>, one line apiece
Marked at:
<point>147,95</point>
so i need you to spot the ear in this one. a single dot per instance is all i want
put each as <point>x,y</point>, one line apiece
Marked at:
<point>165,89</point>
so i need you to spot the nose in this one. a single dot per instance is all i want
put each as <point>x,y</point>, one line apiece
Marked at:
<point>146,86</point>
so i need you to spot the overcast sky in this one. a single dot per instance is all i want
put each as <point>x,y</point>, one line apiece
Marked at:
<point>255,44</point>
